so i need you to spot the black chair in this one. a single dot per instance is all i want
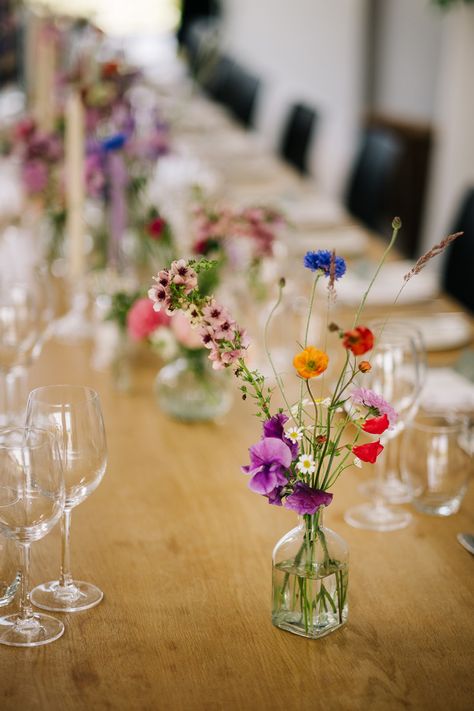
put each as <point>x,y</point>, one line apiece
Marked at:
<point>372,178</point>
<point>297,135</point>
<point>216,81</point>
<point>241,93</point>
<point>459,266</point>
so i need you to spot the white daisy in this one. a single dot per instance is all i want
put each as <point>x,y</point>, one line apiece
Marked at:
<point>305,464</point>
<point>324,402</point>
<point>357,462</point>
<point>294,433</point>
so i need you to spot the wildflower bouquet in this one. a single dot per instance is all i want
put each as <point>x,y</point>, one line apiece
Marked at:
<point>305,445</point>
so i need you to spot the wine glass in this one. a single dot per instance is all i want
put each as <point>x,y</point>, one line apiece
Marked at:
<point>74,414</point>
<point>32,499</point>
<point>25,316</point>
<point>397,374</point>
<point>389,483</point>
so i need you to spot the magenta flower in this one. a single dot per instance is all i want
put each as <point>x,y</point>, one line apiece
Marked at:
<point>305,500</point>
<point>35,176</point>
<point>274,428</point>
<point>274,497</point>
<point>376,403</point>
<point>269,461</point>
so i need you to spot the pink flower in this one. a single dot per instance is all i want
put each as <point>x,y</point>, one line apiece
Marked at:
<point>35,176</point>
<point>182,274</point>
<point>225,330</point>
<point>160,298</point>
<point>185,334</point>
<point>142,320</point>
<point>374,402</point>
<point>206,334</point>
<point>215,314</point>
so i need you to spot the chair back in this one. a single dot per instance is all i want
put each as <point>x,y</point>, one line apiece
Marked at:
<point>458,278</point>
<point>297,135</point>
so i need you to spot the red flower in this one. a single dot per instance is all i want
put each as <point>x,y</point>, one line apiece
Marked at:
<point>359,340</point>
<point>155,227</point>
<point>368,452</point>
<point>376,425</point>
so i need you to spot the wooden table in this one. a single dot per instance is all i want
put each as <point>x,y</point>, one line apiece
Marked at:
<point>182,550</point>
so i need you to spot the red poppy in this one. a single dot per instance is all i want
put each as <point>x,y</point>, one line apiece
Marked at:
<point>368,452</point>
<point>155,227</point>
<point>359,340</point>
<point>376,425</point>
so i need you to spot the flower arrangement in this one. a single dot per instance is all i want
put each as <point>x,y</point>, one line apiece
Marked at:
<point>305,445</point>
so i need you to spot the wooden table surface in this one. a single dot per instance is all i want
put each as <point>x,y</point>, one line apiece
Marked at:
<point>182,550</point>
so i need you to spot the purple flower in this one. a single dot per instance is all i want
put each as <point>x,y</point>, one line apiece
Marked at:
<point>269,460</point>
<point>274,428</point>
<point>322,260</point>
<point>376,403</point>
<point>274,497</point>
<point>35,176</point>
<point>305,500</point>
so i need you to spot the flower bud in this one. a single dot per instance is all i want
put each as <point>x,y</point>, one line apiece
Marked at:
<point>364,366</point>
<point>333,326</point>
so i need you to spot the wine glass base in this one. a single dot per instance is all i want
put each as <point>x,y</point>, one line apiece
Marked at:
<point>75,597</point>
<point>40,629</point>
<point>74,327</point>
<point>377,518</point>
<point>393,491</point>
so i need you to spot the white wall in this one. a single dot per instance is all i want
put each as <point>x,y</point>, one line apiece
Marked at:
<point>407,56</point>
<point>311,50</point>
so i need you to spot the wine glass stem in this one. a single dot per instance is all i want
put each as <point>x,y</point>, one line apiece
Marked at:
<point>13,396</point>
<point>26,611</point>
<point>65,577</point>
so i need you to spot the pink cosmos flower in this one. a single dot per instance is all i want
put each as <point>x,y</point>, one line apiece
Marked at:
<point>366,397</point>
<point>142,320</point>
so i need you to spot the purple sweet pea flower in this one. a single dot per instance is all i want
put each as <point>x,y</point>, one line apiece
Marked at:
<point>274,428</point>
<point>305,500</point>
<point>274,497</point>
<point>269,460</point>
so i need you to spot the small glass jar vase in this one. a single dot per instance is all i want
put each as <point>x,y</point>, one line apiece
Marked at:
<point>310,578</point>
<point>189,389</point>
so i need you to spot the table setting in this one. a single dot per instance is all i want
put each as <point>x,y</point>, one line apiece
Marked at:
<point>183,318</point>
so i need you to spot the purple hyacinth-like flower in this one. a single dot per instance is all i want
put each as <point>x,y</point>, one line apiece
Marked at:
<point>305,500</point>
<point>269,461</point>
<point>322,260</point>
<point>274,428</point>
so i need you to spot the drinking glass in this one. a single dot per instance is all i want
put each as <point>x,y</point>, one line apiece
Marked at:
<point>74,414</point>
<point>436,458</point>
<point>10,576</point>
<point>25,316</point>
<point>31,503</point>
<point>397,374</point>
<point>388,482</point>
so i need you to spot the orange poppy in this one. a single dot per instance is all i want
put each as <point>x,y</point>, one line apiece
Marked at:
<point>310,362</point>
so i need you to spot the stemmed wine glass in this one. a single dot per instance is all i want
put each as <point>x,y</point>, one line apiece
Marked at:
<point>388,483</point>
<point>25,317</point>
<point>74,414</point>
<point>397,374</point>
<point>32,499</point>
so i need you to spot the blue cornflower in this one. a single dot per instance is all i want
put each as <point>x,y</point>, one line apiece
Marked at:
<point>322,260</point>
<point>114,142</point>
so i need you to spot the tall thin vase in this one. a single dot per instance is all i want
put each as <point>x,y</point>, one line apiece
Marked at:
<point>310,579</point>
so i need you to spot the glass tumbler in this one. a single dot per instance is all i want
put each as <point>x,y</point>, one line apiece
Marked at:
<point>436,462</point>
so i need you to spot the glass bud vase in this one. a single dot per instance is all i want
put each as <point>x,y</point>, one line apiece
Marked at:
<point>189,389</point>
<point>310,578</point>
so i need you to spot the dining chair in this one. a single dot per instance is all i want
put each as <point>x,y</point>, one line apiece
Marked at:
<point>216,82</point>
<point>459,264</point>
<point>241,92</point>
<point>297,135</point>
<point>372,177</point>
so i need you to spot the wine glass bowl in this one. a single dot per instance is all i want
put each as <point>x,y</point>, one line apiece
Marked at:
<point>31,503</point>
<point>73,414</point>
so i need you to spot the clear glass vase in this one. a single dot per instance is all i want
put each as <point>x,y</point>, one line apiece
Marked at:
<point>310,579</point>
<point>189,389</point>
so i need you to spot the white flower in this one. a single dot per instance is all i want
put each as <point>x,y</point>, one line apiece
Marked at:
<point>294,433</point>
<point>299,406</point>
<point>306,464</point>
<point>164,343</point>
<point>323,402</point>
<point>357,462</point>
